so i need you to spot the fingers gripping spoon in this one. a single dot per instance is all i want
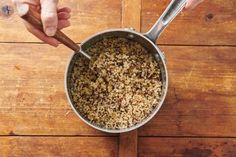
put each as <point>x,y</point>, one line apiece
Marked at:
<point>33,17</point>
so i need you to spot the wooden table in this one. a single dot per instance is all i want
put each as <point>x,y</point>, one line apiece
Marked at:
<point>198,118</point>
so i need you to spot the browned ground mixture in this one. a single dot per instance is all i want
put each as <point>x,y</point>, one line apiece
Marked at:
<point>119,87</point>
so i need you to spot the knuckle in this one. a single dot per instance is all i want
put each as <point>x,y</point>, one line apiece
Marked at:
<point>50,1</point>
<point>49,17</point>
<point>55,1</point>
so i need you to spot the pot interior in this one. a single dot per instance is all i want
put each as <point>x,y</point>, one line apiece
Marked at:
<point>131,35</point>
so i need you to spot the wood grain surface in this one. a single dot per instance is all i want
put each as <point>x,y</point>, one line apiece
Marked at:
<point>33,99</point>
<point>201,99</point>
<point>186,147</point>
<point>128,144</point>
<point>88,17</point>
<point>211,23</point>
<point>58,146</point>
<point>131,17</point>
<point>131,14</point>
<point>197,118</point>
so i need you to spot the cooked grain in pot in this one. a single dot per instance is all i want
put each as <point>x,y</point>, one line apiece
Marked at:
<point>119,87</point>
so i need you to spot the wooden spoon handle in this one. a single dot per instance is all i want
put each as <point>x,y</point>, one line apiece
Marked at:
<point>33,17</point>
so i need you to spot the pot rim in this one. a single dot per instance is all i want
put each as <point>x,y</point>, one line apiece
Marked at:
<point>150,116</point>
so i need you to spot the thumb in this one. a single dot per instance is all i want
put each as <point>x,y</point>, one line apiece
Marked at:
<point>49,16</point>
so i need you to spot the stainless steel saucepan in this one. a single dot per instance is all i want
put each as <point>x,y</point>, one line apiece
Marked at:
<point>147,40</point>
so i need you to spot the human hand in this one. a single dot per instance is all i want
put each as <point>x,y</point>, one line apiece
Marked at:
<point>52,18</point>
<point>192,3</point>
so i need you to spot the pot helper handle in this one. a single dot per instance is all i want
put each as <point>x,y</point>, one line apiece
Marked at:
<point>33,17</point>
<point>169,14</point>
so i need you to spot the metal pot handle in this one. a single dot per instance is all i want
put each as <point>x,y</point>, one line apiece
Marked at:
<point>169,14</point>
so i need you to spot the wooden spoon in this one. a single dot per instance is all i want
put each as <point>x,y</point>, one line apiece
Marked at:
<point>33,17</point>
